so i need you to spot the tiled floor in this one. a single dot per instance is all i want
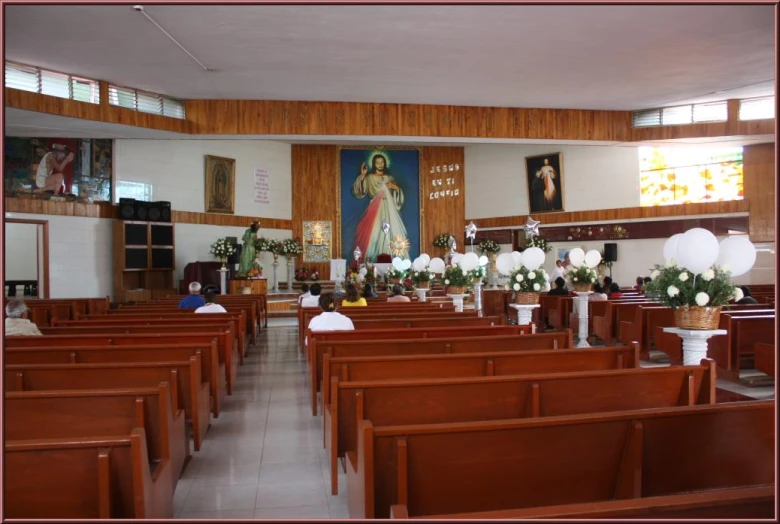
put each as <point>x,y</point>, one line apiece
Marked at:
<point>263,458</point>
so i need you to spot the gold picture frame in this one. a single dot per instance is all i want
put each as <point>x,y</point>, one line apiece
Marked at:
<point>220,185</point>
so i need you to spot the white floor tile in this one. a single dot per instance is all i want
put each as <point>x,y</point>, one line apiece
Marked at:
<point>219,498</point>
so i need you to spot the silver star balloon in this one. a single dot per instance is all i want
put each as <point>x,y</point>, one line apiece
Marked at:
<point>531,228</point>
<point>471,231</point>
<point>386,228</point>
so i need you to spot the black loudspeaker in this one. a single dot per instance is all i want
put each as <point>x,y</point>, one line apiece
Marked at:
<point>610,252</point>
<point>127,208</point>
<point>159,211</point>
<point>141,210</point>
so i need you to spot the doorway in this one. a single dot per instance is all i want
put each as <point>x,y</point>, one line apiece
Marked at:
<point>26,258</point>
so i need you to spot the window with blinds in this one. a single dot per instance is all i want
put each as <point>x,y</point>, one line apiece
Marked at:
<point>681,115</point>
<point>757,108</point>
<point>145,101</point>
<point>52,83</point>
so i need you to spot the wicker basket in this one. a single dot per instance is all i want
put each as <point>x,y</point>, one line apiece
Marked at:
<point>423,285</point>
<point>456,290</point>
<point>395,280</point>
<point>697,317</point>
<point>476,280</point>
<point>582,288</point>
<point>526,297</point>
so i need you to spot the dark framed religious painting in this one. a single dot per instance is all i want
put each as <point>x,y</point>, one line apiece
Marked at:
<point>220,184</point>
<point>380,202</point>
<point>545,183</point>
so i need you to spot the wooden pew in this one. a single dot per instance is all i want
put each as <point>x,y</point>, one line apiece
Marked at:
<point>734,351</point>
<point>531,463</point>
<point>642,327</point>
<point>734,503</point>
<point>211,370</point>
<point>228,359</point>
<point>558,314</point>
<point>260,301</point>
<point>58,414</point>
<point>765,358</point>
<point>86,478</point>
<point>167,435</point>
<point>616,311</point>
<point>395,402</point>
<point>355,348</point>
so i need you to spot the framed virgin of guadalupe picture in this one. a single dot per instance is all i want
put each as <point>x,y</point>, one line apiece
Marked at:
<point>545,183</point>
<point>220,184</point>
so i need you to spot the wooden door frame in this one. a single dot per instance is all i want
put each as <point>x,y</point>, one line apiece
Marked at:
<point>45,258</point>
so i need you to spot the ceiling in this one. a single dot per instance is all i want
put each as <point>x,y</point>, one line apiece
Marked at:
<point>556,56</point>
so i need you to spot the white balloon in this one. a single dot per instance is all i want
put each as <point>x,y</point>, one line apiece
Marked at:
<point>426,258</point>
<point>592,258</point>
<point>406,264</point>
<point>456,258</point>
<point>363,271</point>
<point>697,250</point>
<point>517,258</point>
<point>397,263</point>
<point>576,257</point>
<point>533,258</point>
<point>739,253</point>
<point>483,260</point>
<point>437,265</point>
<point>670,247</point>
<point>470,261</point>
<point>505,263</point>
<point>418,264</point>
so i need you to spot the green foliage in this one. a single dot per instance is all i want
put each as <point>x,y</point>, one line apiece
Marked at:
<point>421,276</point>
<point>441,240</point>
<point>583,275</point>
<point>524,281</point>
<point>488,246</point>
<point>675,286</point>
<point>456,276</point>
<point>539,242</point>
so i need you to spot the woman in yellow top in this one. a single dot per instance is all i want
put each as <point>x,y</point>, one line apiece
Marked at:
<point>353,299</point>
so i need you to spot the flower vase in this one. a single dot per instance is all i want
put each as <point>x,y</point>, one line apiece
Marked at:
<point>224,262</point>
<point>525,297</point>
<point>423,285</point>
<point>456,290</point>
<point>582,288</point>
<point>290,272</point>
<point>697,317</point>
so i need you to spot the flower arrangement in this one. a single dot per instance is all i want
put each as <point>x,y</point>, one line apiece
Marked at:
<point>456,276</point>
<point>262,244</point>
<point>255,272</point>
<point>582,277</point>
<point>523,280</point>
<point>222,248</point>
<point>301,274</point>
<point>478,274</point>
<point>276,247</point>
<point>408,284</point>
<point>422,278</point>
<point>291,248</point>
<point>488,246</point>
<point>395,274</point>
<point>314,275</point>
<point>677,287</point>
<point>441,240</point>
<point>539,242</point>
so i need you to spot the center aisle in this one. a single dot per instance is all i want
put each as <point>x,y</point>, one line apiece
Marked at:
<point>263,457</point>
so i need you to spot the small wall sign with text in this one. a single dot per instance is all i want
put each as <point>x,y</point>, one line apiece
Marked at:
<point>443,193</point>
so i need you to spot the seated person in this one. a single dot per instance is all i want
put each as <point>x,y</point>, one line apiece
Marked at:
<point>194,299</point>
<point>639,287</point>
<point>560,288</point>
<point>211,304</point>
<point>353,299</point>
<point>329,319</point>
<point>16,322</point>
<point>398,295</point>
<point>598,294</point>
<point>606,285</point>
<point>368,291</point>
<point>304,293</point>
<point>313,300</point>
<point>614,290</point>
<point>646,282</point>
<point>748,296</point>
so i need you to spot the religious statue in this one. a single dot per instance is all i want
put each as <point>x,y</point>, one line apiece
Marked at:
<point>248,253</point>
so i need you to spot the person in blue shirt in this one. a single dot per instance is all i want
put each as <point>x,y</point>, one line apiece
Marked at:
<point>194,299</point>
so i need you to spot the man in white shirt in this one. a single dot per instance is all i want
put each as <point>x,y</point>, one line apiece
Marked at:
<point>211,305</point>
<point>329,319</point>
<point>15,324</point>
<point>312,300</point>
<point>305,293</point>
<point>558,271</point>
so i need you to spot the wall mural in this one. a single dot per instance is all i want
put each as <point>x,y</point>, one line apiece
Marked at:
<point>58,168</point>
<point>317,241</point>
<point>380,202</point>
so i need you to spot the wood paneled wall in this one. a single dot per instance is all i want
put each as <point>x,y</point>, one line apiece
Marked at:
<point>315,194</point>
<point>275,117</point>
<point>760,186</point>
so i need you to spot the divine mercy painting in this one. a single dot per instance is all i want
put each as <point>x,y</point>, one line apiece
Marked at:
<point>545,183</point>
<point>380,203</point>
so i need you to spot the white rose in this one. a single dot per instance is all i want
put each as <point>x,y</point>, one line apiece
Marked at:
<point>725,268</point>
<point>702,298</point>
<point>683,276</point>
<point>531,275</point>
<point>464,272</point>
<point>517,267</point>
<point>519,278</point>
<point>738,295</point>
<point>537,287</point>
<point>592,280</point>
<point>655,274</point>
<point>672,291</point>
<point>516,287</point>
<point>575,279</point>
<point>708,275</point>
<point>446,282</point>
<point>506,287</point>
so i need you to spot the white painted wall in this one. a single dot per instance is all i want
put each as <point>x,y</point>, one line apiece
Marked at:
<point>21,251</point>
<point>80,256</point>
<point>594,177</point>
<point>176,170</point>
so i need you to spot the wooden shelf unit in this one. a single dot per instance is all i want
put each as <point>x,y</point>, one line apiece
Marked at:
<point>144,260</point>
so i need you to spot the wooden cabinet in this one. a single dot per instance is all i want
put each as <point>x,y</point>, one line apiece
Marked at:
<point>144,259</point>
<point>259,286</point>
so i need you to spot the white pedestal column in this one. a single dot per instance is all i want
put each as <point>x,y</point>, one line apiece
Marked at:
<point>525,313</point>
<point>421,293</point>
<point>582,298</point>
<point>223,280</point>
<point>276,278</point>
<point>457,300</point>
<point>290,273</point>
<point>478,297</point>
<point>694,343</point>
